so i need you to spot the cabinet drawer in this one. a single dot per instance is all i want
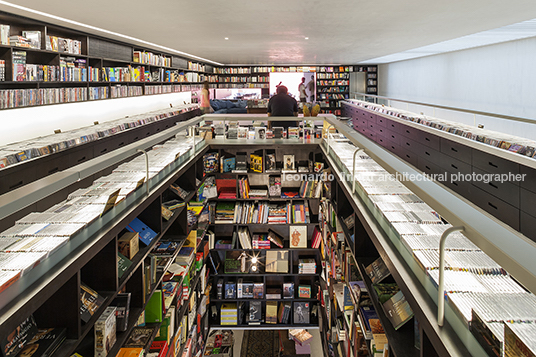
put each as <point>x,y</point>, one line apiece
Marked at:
<point>78,156</point>
<point>408,156</point>
<point>529,181</point>
<point>17,178</point>
<point>527,225</point>
<point>494,164</point>
<point>382,140</point>
<point>453,165</point>
<point>411,145</point>
<point>527,202</point>
<point>429,140</point>
<point>394,148</point>
<point>355,123</point>
<point>428,167</point>
<point>496,207</point>
<point>409,132</point>
<point>381,121</point>
<point>393,126</point>
<point>430,154</point>
<point>505,191</point>
<point>456,150</point>
<point>393,136</point>
<point>461,187</point>
<point>380,130</point>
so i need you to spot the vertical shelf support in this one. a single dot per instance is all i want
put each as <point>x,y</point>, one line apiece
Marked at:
<point>441,287</point>
<point>357,151</point>
<point>146,170</point>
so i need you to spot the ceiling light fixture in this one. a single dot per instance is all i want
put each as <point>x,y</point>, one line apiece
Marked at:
<point>130,38</point>
<point>227,38</point>
<point>307,38</point>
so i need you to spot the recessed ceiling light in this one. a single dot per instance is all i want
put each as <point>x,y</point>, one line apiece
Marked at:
<point>227,38</point>
<point>307,38</point>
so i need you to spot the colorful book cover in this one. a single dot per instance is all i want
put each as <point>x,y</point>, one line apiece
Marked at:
<point>145,232</point>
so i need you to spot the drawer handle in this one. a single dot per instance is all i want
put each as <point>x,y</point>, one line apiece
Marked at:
<point>492,164</point>
<point>381,131</point>
<point>454,166</point>
<point>426,139</point>
<point>82,159</point>
<point>409,157</point>
<point>371,134</point>
<point>407,131</point>
<point>489,203</point>
<point>121,143</point>
<point>427,153</point>
<point>392,147</point>
<point>428,167</point>
<point>393,136</point>
<point>18,184</point>
<point>454,183</point>
<point>51,171</point>
<point>408,144</point>
<point>492,185</point>
<point>453,149</point>
<point>148,133</point>
<point>103,151</point>
<point>136,138</point>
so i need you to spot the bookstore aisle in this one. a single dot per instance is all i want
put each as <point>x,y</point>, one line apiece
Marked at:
<point>316,344</point>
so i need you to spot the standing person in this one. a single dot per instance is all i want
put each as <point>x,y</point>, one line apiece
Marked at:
<point>301,89</point>
<point>205,100</point>
<point>282,105</point>
<point>311,88</point>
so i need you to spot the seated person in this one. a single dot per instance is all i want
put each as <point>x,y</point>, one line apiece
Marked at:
<point>282,105</point>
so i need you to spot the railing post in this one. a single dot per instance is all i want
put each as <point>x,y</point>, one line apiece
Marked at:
<point>358,150</point>
<point>441,287</point>
<point>327,139</point>
<point>146,170</point>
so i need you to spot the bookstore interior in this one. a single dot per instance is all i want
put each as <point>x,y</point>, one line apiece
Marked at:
<point>161,231</point>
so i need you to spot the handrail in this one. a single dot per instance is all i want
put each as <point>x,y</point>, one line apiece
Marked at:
<point>467,111</point>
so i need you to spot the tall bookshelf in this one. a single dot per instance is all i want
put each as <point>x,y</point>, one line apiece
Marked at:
<point>61,65</point>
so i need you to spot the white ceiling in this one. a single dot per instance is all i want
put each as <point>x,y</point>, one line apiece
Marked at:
<point>274,31</point>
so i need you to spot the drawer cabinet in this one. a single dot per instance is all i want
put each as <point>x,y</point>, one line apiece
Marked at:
<point>456,150</point>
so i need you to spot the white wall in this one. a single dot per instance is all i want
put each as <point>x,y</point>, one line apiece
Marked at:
<point>499,79</point>
<point>27,123</point>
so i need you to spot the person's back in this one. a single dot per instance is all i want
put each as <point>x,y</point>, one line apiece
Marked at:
<point>282,105</point>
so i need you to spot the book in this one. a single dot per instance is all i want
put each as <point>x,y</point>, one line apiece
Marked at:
<point>90,302</point>
<point>228,164</point>
<point>258,290</point>
<point>397,310</point>
<point>270,162</point>
<point>44,343</point>
<point>255,313</point>
<point>301,312</point>
<point>211,162</point>
<point>122,303</point>
<point>298,236</point>
<point>256,163</point>
<point>288,290</point>
<point>236,262</point>
<point>230,290</point>
<point>275,238</point>
<point>146,234</point>
<point>271,312</point>
<point>128,244</point>
<point>154,308</point>
<point>105,332</point>
<point>19,337</point>
<point>122,264</point>
<point>377,271</point>
<point>260,133</point>
<point>139,337</point>
<point>288,163</point>
<point>304,291</point>
<point>274,186</point>
<point>131,352</point>
<point>276,261</point>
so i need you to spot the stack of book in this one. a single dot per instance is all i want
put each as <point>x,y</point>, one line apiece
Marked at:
<point>260,241</point>
<point>228,314</point>
<point>248,212</point>
<point>300,213</point>
<point>277,213</point>
<point>284,313</point>
<point>243,187</point>
<point>225,212</point>
<point>307,266</point>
